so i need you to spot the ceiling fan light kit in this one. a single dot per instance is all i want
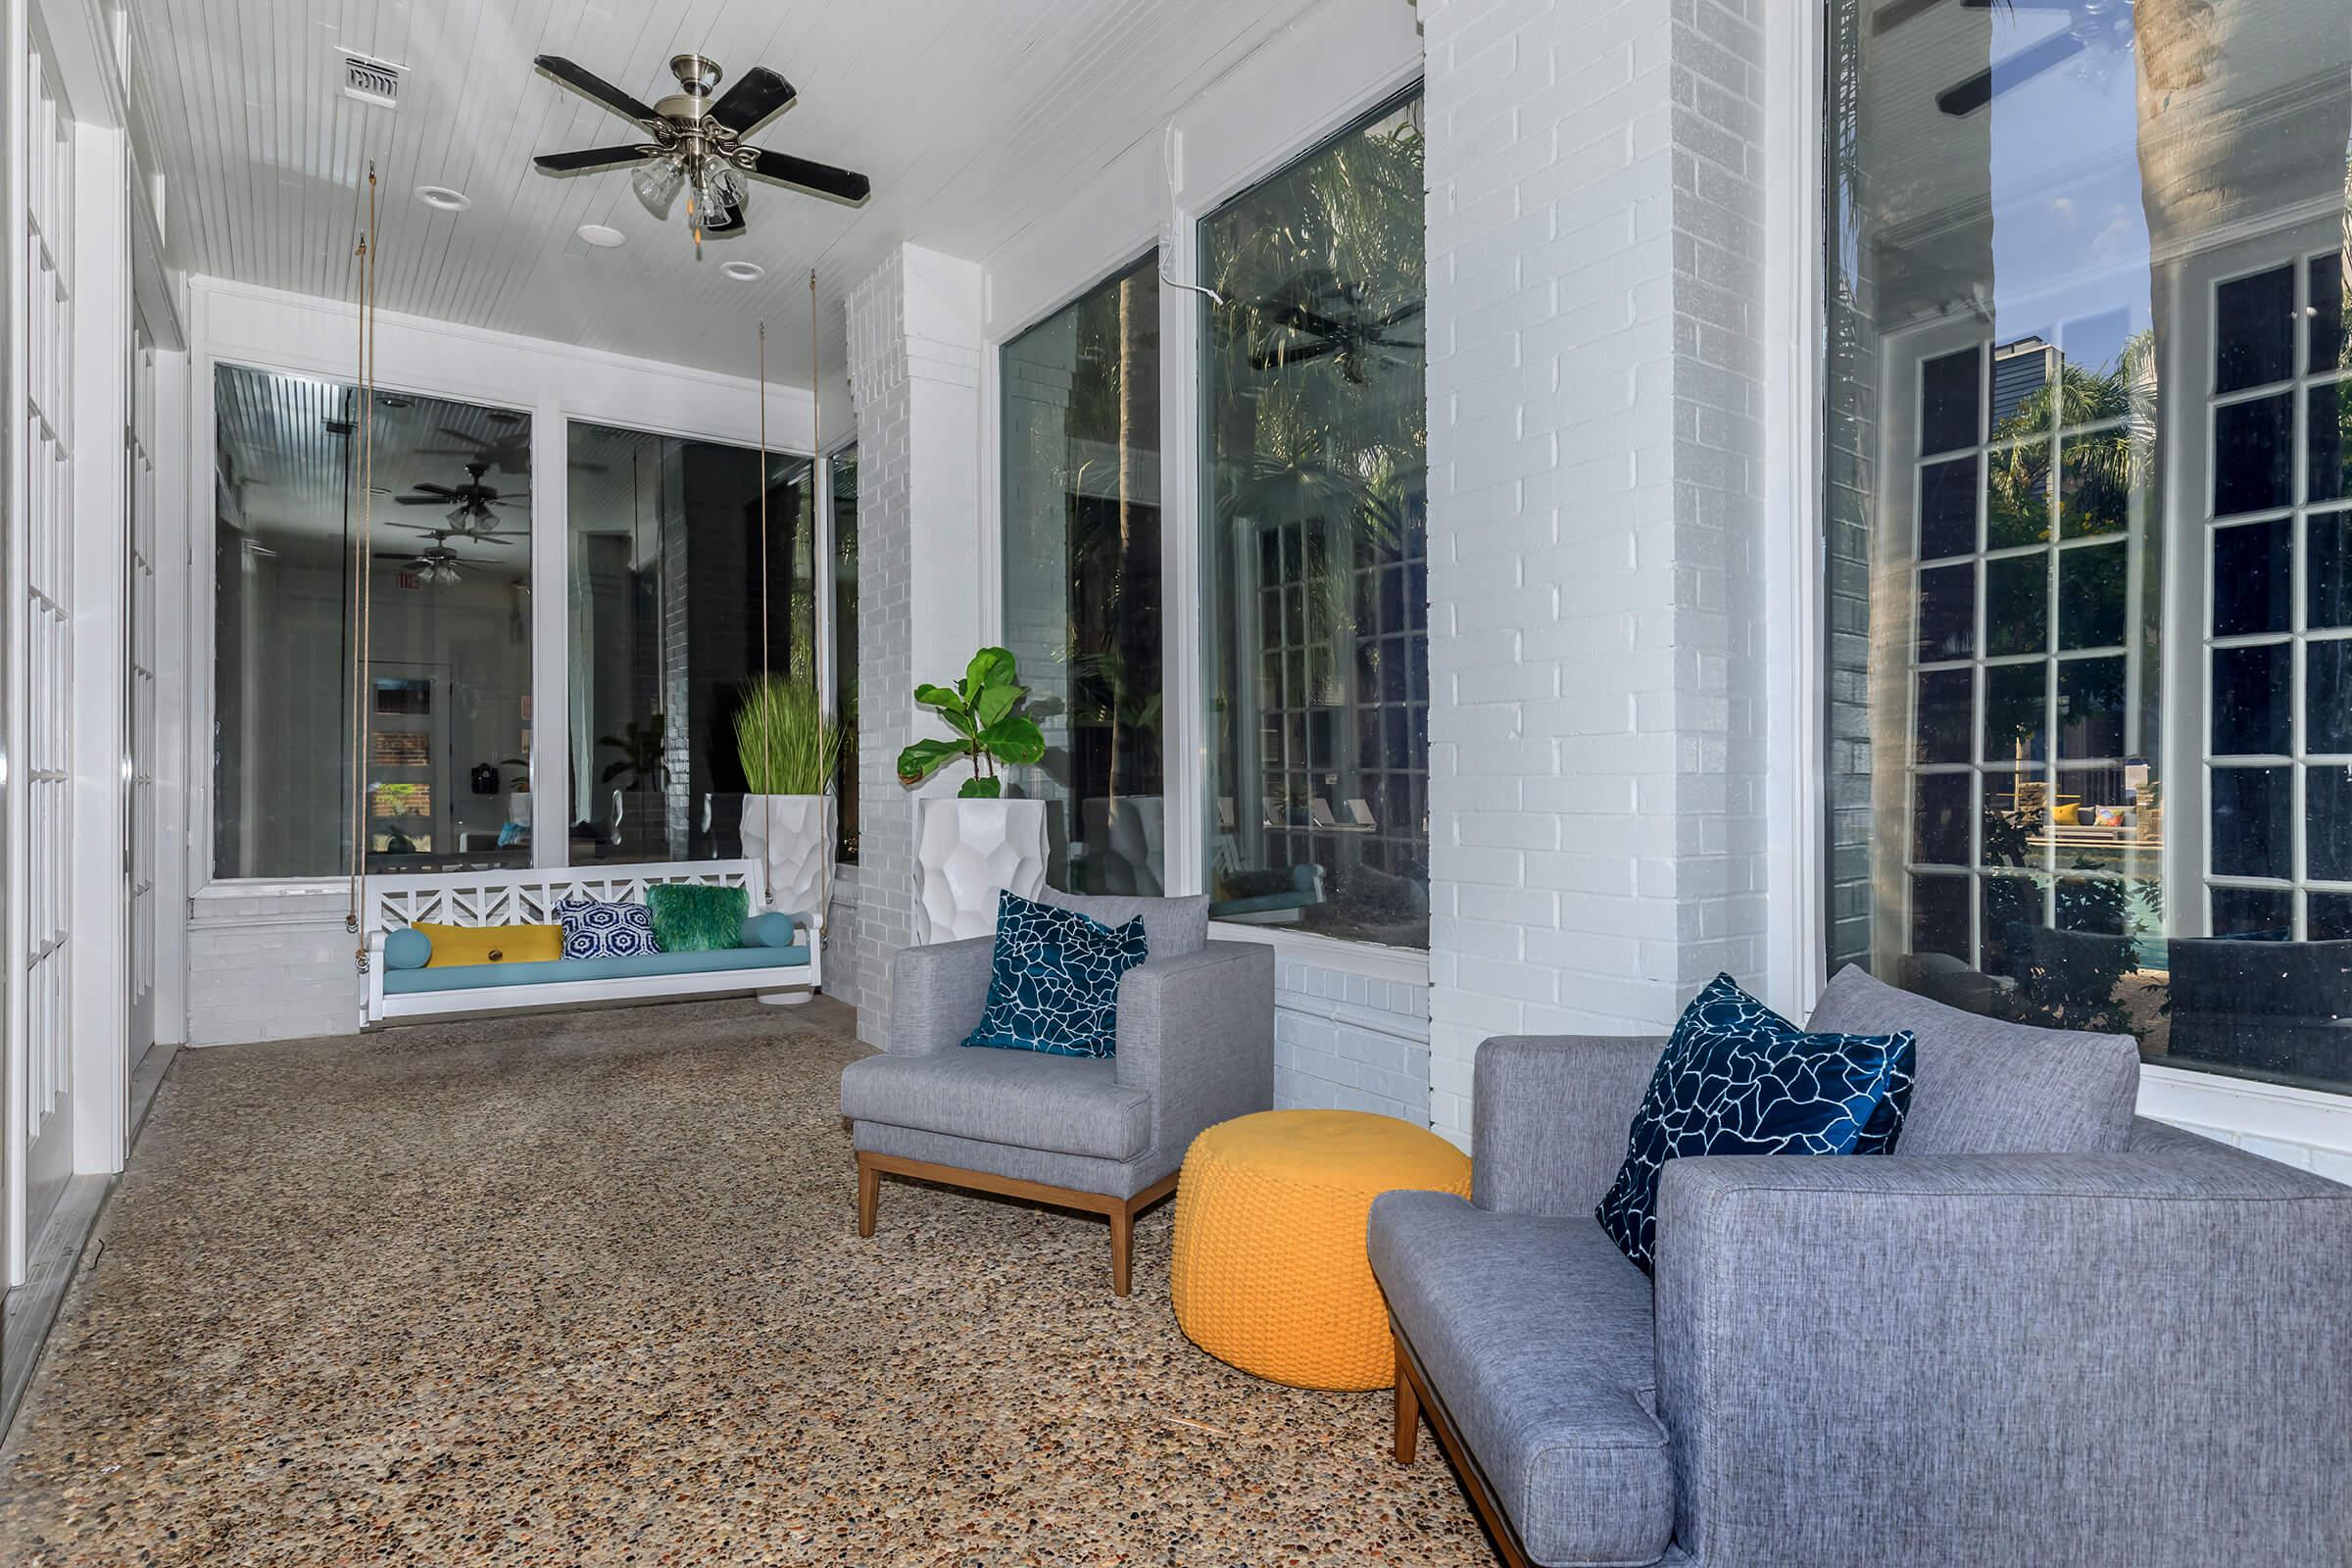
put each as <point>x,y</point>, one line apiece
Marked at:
<point>692,143</point>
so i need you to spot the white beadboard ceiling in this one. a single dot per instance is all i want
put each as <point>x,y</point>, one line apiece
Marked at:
<point>970,119</point>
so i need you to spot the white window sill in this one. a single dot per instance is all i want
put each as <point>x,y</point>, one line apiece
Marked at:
<point>2247,1107</point>
<point>1407,966</point>
<point>268,888</point>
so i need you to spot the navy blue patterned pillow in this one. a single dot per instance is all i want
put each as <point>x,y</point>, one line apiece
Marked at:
<point>1740,1079</point>
<point>1055,985</point>
<point>593,929</point>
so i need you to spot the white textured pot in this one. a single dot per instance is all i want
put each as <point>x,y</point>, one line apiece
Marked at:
<point>966,853</point>
<point>792,836</point>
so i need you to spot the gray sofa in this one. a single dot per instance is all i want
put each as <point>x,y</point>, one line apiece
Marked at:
<point>2043,1332</point>
<point>1195,1047</point>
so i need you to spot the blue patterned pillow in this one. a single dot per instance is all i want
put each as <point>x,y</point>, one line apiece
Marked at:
<point>1055,986</point>
<point>597,930</point>
<point>1740,1079</point>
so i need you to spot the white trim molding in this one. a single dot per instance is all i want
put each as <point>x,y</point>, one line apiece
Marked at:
<point>2309,1128</point>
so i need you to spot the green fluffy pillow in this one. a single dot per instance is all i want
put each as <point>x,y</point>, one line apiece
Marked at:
<point>692,919</point>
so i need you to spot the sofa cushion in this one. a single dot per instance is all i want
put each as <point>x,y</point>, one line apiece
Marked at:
<point>469,977</point>
<point>1173,927</point>
<point>692,918</point>
<point>594,928</point>
<point>1536,1335</point>
<point>1984,1085</point>
<point>462,945</point>
<point>1063,1105</point>
<point>1054,981</point>
<point>1737,1078</point>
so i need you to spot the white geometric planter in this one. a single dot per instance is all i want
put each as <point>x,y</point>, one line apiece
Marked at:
<point>966,853</point>
<point>793,836</point>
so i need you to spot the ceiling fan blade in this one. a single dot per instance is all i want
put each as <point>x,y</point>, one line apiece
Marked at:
<point>590,159</point>
<point>1300,319</point>
<point>1967,97</point>
<point>821,179</point>
<point>590,86</point>
<point>758,95</point>
<point>513,500</point>
<point>431,489</point>
<point>420,500</point>
<point>1275,358</point>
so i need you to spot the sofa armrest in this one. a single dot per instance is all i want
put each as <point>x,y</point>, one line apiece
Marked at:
<point>1549,1115</point>
<point>937,992</point>
<point>1196,1033</point>
<point>2134,1357</point>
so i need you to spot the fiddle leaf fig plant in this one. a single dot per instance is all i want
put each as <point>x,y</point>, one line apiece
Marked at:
<point>981,710</point>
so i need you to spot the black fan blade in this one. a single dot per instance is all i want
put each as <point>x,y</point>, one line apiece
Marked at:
<point>1275,358</point>
<point>821,179</point>
<point>432,489</point>
<point>589,85</point>
<point>588,160</point>
<point>420,500</point>
<point>726,220</point>
<point>758,96</point>
<point>1967,97</point>
<point>1300,319</point>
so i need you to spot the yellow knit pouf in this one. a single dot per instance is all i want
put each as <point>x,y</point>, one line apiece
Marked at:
<point>1269,1271</point>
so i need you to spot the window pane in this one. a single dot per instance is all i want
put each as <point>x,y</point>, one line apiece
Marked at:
<point>2253,700</point>
<point>669,622</point>
<point>845,644</point>
<point>1081,571</point>
<point>2252,455</point>
<point>448,719</point>
<point>1315,547</point>
<point>2253,578</point>
<point>2254,336</point>
<point>2141,347</point>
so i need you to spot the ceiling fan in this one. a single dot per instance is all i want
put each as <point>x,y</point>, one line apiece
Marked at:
<point>436,562</point>
<point>508,453</point>
<point>1340,327</point>
<point>469,503</point>
<point>694,142</point>
<point>2108,21</point>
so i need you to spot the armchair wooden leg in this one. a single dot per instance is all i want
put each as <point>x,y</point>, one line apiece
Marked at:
<point>1122,1246</point>
<point>1408,1409</point>
<point>869,1194</point>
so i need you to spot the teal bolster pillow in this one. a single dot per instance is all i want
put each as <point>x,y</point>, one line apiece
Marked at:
<point>408,949</point>
<point>772,928</point>
<point>1054,983</point>
<point>689,917</point>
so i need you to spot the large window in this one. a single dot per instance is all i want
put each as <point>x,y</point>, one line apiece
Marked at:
<point>1315,545</point>
<point>2089,507</point>
<point>669,623</point>
<point>843,482</point>
<point>1082,602</point>
<point>447,703</point>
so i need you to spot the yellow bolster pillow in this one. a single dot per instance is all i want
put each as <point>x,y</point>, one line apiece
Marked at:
<point>454,945</point>
<point>2067,816</point>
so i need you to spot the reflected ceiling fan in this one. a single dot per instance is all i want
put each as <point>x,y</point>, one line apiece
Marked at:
<point>2108,21</point>
<point>436,562</point>
<point>693,142</point>
<point>470,505</point>
<point>1340,327</point>
<point>510,453</point>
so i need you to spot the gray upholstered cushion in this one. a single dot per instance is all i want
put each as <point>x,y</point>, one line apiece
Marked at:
<point>1984,1085</point>
<point>1063,1105</point>
<point>1173,927</point>
<point>1537,1337</point>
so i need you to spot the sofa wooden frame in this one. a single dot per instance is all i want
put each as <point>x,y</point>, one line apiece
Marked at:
<point>509,898</point>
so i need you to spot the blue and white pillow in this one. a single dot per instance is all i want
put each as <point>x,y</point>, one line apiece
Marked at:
<point>593,929</point>
<point>1737,1078</point>
<point>1055,985</point>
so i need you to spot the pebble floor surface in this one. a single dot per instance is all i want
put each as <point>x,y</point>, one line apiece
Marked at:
<point>588,1289</point>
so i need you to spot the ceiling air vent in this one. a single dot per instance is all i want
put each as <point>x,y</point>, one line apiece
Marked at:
<point>370,81</point>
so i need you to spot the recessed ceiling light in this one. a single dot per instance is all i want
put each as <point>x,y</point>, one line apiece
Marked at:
<point>444,198</point>
<point>745,271</point>
<point>601,236</point>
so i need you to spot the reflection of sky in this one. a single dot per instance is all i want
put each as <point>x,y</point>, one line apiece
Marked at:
<point>2071,263</point>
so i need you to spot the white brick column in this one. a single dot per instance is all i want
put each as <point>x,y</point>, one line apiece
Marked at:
<point>1595,766</point>
<point>914,376</point>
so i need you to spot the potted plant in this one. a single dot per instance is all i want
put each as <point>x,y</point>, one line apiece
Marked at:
<point>969,847</point>
<point>788,748</point>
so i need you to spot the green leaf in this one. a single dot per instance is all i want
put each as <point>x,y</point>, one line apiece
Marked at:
<point>923,759</point>
<point>993,703</point>
<point>942,695</point>
<point>990,666</point>
<point>1015,739</point>
<point>981,789</point>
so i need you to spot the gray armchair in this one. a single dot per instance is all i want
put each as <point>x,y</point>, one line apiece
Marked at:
<point>2042,1332</point>
<point>1195,1047</point>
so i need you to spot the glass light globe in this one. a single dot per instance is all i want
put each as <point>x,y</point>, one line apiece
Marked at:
<point>717,187</point>
<point>657,183</point>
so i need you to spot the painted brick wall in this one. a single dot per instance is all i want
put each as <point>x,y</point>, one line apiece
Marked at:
<point>1347,1042</point>
<point>273,966</point>
<point>1595,750</point>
